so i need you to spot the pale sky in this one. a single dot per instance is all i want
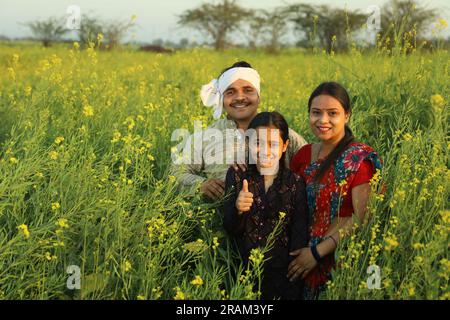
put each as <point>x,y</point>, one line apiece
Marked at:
<point>155,19</point>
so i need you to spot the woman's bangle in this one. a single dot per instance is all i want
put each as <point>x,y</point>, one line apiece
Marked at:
<point>315,254</point>
<point>334,240</point>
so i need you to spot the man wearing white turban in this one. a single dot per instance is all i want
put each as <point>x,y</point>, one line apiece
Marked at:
<point>237,90</point>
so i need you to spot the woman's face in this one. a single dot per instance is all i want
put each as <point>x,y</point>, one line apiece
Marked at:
<point>327,118</point>
<point>241,100</point>
<point>269,146</point>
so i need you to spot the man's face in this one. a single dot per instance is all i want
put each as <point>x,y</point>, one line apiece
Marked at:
<point>241,100</point>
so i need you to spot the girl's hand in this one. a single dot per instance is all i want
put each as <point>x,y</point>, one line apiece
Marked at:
<point>244,200</point>
<point>302,264</point>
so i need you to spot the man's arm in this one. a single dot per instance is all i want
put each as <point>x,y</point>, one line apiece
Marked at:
<point>296,141</point>
<point>188,173</point>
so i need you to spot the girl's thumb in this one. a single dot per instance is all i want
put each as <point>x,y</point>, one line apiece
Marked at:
<point>245,186</point>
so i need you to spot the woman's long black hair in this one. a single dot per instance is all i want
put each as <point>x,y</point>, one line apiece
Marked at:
<point>338,92</point>
<point>269,119</point>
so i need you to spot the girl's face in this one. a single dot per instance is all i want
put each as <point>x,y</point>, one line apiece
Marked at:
<point>327,118</point>
<point>241,100</point>
<point>269,146</point>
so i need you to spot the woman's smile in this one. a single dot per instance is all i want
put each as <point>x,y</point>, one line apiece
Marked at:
<point>323,129</point>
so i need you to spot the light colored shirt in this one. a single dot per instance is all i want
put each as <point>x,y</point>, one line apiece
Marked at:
<point>212,159</point>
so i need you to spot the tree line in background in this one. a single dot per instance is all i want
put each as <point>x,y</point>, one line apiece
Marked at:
<point>108,34</point>
<point>402,23</point>
<point>225,23</point>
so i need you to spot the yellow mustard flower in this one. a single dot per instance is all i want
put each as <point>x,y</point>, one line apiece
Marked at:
<point>53,155</point>
<point>126,266</point>
<point>391,243</point>
<point>198,281</point>
<point>13,160</point>
<point>179,295</point>
<point>59,139</point>
<point>256,256</point>
<point>88,111</point>
<point>62,223</point>
<point>24,229</point>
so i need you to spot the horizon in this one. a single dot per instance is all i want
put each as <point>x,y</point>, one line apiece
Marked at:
<point>155,19</point>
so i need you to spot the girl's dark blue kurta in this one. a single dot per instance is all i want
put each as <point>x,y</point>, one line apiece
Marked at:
<point>251,229</point>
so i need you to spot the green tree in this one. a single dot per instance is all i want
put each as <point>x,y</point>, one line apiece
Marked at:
<point>116,30</point>
<point>266,28</point>
<point>405,21</point>
<point>215,20</point>
<point>325,26</point>
<point>276,26</point>
<point>113,31</point>
<point>253,30</point>
<point>48,31</point>
<point>90,28</point>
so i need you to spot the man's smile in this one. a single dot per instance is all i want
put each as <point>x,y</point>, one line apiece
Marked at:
<point>240,105</point>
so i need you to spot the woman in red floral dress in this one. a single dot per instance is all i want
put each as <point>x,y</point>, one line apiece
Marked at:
<point>337,172</point>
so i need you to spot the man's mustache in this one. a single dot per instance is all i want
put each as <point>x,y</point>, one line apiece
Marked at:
<point>238,102</point>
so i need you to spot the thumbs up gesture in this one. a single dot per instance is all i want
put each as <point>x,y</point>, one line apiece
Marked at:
<point>244,200</point>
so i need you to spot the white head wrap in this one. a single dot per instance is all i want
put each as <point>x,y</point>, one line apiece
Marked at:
<point>212,93</point>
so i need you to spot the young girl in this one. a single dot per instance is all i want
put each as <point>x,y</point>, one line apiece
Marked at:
<point>256,198</point>
<point>337,172</point>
